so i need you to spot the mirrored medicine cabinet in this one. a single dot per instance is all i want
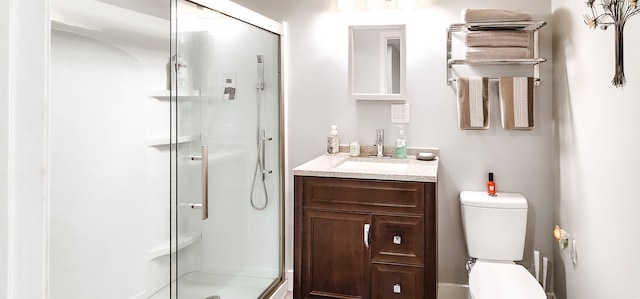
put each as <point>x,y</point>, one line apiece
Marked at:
<point>377,62</point>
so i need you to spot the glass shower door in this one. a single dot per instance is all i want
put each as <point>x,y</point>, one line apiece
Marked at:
<point>227,224</point>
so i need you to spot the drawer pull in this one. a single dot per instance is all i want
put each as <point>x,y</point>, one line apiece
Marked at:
<point>397,240</point>
<point>367,229</point>
<point>397,289</point>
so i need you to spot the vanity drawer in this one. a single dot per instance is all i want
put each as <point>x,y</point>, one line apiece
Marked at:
<point>397,240</point>
<point>388,197</point>
<point>397,282</point>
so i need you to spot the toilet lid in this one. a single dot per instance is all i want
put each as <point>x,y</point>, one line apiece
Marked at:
<point>503,281</point>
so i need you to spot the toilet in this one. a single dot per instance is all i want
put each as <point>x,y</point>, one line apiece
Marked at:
<point>495,229</point>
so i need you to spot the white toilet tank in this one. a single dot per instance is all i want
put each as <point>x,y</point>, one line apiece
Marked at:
<point>494,226</point>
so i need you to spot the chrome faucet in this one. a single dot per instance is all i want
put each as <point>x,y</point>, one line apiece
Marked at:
<point>380,142</point>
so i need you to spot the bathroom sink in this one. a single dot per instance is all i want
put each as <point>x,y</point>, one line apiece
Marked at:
<point>373,164</point>
<point>391,169</point>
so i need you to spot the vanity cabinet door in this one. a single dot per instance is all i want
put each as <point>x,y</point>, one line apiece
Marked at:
<point>336,261</point>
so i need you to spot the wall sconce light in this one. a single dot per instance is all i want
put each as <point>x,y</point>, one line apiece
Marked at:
<point>615,13</point>
<point>346,5</point>
<point>407,4</point>
<point>376,4</point>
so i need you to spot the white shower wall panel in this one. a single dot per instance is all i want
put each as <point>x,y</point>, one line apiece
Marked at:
<point>109,191</point>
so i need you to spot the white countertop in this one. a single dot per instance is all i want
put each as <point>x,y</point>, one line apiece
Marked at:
<point>331,166</point>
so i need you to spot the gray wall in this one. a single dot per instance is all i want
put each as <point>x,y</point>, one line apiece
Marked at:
<point>317,95</point>
<point>596,142</point>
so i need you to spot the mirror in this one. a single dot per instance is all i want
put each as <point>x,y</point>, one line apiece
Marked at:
<point>377,62</point>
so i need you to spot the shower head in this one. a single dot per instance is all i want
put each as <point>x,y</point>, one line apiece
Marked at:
<point>259,58</point>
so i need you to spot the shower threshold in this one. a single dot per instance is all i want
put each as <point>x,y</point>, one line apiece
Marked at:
<point>199,285</point>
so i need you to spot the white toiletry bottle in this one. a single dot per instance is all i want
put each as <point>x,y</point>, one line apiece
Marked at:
<point>177,73</point>
<point>333,142</point>
<point>401,145</point>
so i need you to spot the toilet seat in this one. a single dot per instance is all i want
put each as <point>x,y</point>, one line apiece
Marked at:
<point>494,280</point>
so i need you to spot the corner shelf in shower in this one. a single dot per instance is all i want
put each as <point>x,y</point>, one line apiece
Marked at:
<point>184,240</point>
<point>166,141</point>
<point>165,95</point>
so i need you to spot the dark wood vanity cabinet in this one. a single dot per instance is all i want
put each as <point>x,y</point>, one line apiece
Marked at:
<point>356,238</point>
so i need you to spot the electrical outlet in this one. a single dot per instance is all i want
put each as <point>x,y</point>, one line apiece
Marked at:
<point>400,113</point>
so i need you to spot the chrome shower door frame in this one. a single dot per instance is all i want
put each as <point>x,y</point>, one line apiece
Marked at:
<point>234,11</point>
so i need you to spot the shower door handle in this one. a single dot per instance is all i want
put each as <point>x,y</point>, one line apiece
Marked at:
<point>204,160</point>
<point>262,153</point>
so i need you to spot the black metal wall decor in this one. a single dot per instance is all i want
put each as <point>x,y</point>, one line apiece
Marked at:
<point>616,13</point>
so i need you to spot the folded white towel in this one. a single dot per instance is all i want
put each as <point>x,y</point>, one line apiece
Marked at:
<point>473,102</point>
<point>516,101</point>
<point>484,15</point>
<point>477,53</point>
<point>497,38</point>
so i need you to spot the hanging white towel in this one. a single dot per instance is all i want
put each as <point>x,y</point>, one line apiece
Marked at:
<point>473,100</point>
<point>516,102</point>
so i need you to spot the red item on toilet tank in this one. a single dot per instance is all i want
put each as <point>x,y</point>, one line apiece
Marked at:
<point>491,185</point>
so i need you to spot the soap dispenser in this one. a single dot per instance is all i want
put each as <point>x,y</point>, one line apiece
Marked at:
<point>333,142</point>
<point>401,145</point>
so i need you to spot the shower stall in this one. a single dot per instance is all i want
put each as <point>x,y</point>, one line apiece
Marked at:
<point>166,151</point>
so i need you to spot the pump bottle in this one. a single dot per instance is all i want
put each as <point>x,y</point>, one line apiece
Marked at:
<point>333,142</point>
<point>401,145</point>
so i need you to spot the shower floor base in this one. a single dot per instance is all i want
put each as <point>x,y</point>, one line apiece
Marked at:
<point>198,285</point>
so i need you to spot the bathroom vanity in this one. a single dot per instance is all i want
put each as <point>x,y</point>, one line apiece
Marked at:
<point>365,228</point>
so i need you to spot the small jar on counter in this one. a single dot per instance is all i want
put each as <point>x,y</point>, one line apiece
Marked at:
<point>354,149</point>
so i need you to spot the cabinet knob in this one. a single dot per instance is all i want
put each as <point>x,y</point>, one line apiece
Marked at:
<point>397,240</point>
<point>397,289</point>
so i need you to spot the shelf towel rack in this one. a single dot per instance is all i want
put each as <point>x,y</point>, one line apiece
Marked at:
<point>491,79</point>
<point>535,60</point>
